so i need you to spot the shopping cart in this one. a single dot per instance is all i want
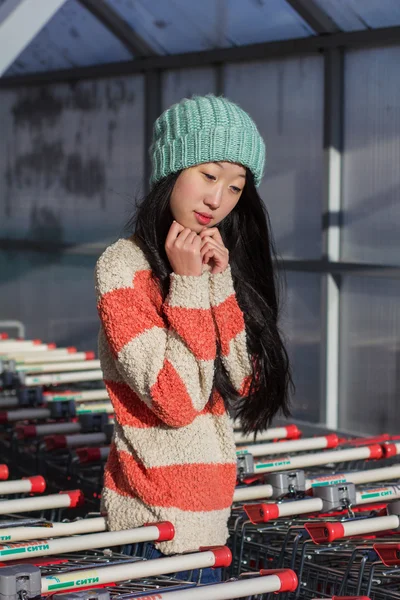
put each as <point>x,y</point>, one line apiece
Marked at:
<point>137,577</point>
<point>265,534</point>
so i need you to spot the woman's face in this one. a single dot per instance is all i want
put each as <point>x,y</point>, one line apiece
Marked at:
<point>211,189</point>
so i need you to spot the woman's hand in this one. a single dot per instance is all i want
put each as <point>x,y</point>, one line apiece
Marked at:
<point>182,246</point>
<point>213,251</point>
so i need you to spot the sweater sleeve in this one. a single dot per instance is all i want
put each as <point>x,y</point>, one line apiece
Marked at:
<point>231,330</point>
<point>165,352</point>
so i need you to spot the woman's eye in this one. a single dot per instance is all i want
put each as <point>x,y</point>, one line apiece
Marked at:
<point>235,189</point>
<point>210,177</point>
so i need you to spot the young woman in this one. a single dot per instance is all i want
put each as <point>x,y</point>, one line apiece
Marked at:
<point>189,334</point>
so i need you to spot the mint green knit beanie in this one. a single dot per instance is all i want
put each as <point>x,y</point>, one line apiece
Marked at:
<point>205,129</point>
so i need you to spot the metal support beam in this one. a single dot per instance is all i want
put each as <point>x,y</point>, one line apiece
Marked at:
<point>20,22</point>
<point>322,267</point>
<point>153,103</point>
<point>266,51</point>
<point>331,229</point>
<point>118,27</point>
<point>314,16</point>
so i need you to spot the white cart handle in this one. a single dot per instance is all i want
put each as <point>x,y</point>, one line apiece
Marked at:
<point>70,499</point>
<point>78,396</point>
<point>29,485</point>
<point>20,534</point>
<point>281,580</point>
<point>329,531</point>
<point>216,557</point>
<point>290,432</point>
<point>316,443</point>
<point>159,532</point>
<point>33,380</point>
<point>321,458</point>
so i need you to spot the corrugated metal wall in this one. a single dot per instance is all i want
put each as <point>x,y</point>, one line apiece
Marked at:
<point>71,159</point>
<point>71,164</point>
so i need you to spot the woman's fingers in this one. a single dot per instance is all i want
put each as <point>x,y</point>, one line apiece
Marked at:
<point>210,243</point>
<point>185,238</point>
<point>212,233</point>
<point>183,250</point>
<point>210,250</point>
<point>215,254</point>
<point>193,242</point>
<point>175,229</point>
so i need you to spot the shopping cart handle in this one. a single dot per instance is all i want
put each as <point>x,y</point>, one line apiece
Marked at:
<point>261,513</point>
<point>38,484</point>
<point>326,531</point>
<point>166,530</point>
<point>3,472</point>
<point>293,432</point>
<point>389,450</point>
<point>388,553</point>
<point>87,454</point>
<point>223,556</point>
<point>25,431</point>
<point>76,497</point>
<point>332,440</point>
<point>288,578</point>
<point>55,442</point>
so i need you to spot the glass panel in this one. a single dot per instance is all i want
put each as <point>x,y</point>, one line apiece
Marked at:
<point>301,325</point>
<point>370,355</point>
<point>371,174</point>
<point>256,22</point>
<point>180,26</point>
<point>351,15</point>
<point>184,83</point>
<point>72,38</point>
<point>288,110</point>
<point>72,157</point>
<point>53,295</point>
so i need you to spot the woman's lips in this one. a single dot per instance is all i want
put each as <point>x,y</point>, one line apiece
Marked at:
<point>202,219</point>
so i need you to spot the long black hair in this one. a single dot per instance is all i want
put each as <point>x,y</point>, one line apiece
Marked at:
<point>246,233</point>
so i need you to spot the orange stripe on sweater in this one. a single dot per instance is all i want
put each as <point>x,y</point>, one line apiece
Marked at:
<point>132,411</point>
<point>171,400</point>
<point>127,312</point>
<point>198,487</point>
<point>230,321</point>
<point>196,327</point>
<point>129,408</point>
<point>215,405</point>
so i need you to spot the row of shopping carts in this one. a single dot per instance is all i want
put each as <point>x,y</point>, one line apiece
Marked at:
<point>60,555</point>
<point>55,414</point>
<point>313,517</point>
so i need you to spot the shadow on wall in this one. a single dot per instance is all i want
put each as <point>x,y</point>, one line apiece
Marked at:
<point>72,159</point>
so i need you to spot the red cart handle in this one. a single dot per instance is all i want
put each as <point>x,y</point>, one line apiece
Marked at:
<point>325,531</point>
<point>388,553</point>
<point>288,578</point>
<point>261,513</point>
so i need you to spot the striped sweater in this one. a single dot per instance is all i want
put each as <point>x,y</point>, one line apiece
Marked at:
<point>172,455</point>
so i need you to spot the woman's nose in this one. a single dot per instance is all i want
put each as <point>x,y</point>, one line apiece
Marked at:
<point>213,199</point>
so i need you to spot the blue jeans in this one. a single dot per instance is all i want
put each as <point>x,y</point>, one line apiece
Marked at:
<point>208,575</point>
